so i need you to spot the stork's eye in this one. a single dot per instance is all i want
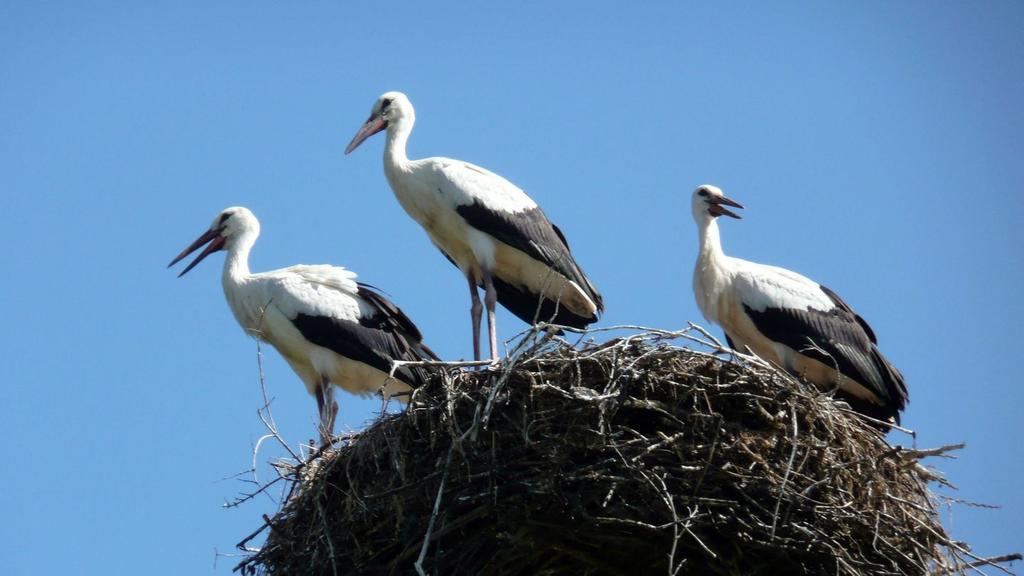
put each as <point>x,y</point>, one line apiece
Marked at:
<point>224,218</point>
<point>703,193</point>
<point>384,105</point>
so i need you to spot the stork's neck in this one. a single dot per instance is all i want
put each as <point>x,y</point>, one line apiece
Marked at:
<point>710,241</point>
<point>236,264</point>
<point>394,150</point>
<point>711,273</point>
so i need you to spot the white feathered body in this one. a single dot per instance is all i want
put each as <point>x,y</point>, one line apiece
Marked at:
<point>725,287</point>
<point>432,189</point>
<point>266,305</point>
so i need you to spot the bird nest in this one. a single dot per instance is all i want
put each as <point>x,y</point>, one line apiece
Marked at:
<point>634,456</point>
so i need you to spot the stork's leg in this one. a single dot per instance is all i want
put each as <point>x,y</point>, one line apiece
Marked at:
<point>334,410</point>
<point>490,300</point>
<point>475,312</point>
<point>328,409</point>
<point>319,394</point>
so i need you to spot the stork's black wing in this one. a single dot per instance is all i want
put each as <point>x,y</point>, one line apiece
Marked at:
<point>376,339</point>
<point>838,337</point>
<point>530,232</point>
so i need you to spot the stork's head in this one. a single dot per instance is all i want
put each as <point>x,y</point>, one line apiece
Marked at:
<point>709,203</point>
<point>392,109</point>
<point>231,225</point>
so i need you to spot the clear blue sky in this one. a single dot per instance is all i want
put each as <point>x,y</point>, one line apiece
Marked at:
<point>877,146</point>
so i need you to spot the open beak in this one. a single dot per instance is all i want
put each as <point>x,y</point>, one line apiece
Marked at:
<point>718,207</point>
<point>216,243</point>
<point>375,124</point>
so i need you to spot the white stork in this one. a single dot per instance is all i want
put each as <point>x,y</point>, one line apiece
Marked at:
<point>791,320</point>
<point>329,328</point>
<point>490,229</point>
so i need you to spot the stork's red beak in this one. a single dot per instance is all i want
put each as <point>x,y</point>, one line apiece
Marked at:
<point>216,243</point>
<point>716,208</point>
<point>375,124</point>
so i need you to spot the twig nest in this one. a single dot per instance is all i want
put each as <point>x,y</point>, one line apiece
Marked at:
<point>629,457</point>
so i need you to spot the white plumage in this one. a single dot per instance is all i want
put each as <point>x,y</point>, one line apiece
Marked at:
<point>490,229</point>
<point>791,320</point>
<point>327,326</point>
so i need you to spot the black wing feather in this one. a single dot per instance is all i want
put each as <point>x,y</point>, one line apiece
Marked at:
<point>530,232</point>
<point>731,344</point>
<point>838,337</point>
<point>386,335</point>
<point>842,304</point>
<point>388,316</point>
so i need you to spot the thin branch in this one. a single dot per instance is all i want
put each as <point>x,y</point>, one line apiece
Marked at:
<point>434,513</point>
<point>789,468</point>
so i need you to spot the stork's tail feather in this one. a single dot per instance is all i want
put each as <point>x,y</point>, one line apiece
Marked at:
<point>427,354</point>
<point>886,413</point>
<point>524,306</point>
<point>894,383</point>
<point>417,376</point>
